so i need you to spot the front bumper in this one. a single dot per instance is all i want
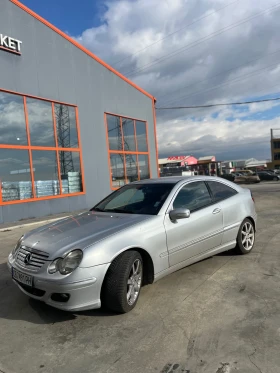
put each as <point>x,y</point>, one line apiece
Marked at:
<point>84,288</point>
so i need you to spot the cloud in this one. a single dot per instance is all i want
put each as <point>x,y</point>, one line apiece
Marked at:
<point>221,54</point>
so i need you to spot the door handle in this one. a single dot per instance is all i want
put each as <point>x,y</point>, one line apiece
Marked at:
<point>216,211</point>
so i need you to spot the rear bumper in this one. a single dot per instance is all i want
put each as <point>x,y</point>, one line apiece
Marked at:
<point>84,294</point>
<point>254,217</point>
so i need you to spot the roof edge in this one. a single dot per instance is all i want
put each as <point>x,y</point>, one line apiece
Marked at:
<point>78,45</point>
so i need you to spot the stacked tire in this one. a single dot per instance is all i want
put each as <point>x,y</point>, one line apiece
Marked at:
<point>65,186</point>
<point>56,187</point>
<point>74,182</point>
<point>44,188</point>
<point>25,190</point>
<point>10,191</point>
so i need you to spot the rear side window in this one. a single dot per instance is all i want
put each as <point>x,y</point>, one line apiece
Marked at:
<point>192,196</point>
<point>221,191</point>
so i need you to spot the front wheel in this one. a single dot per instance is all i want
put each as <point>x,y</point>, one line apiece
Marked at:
<point>246,237</point>
<point>123,282</point>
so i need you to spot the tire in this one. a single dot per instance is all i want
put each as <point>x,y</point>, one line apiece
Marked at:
<point>123,282</point>
<point>245,237</point>
<point>275,179</point>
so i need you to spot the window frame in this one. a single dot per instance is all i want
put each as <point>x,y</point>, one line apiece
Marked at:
<point>30,147</point>
<point>125,152</point>
<point>213,202</point>
<point>188,183</point>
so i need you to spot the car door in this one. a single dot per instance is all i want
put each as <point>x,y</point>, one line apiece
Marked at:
<point>201,232</point>
<point>228,199</point>
<point>271,175</point>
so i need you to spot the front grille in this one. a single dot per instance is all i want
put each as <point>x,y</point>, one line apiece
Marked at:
<point>30,258</point>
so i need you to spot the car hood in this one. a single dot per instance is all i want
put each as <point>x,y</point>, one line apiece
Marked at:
<point>79,231</point>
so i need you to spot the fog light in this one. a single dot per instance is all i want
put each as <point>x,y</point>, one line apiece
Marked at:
<point>60,297</point>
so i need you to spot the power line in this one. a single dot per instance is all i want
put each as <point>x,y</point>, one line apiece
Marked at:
<point>174,32</point>
<point>221,73</point>
<point>237,79</point>
<point>199,41</point>
<point>219,104</point>
<point>198,110</point>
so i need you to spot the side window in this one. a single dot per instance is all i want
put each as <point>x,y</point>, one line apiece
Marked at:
<point>220,191</point>
<point>192,196</point>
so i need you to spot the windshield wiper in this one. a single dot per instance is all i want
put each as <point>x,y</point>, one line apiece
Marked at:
<point>121,211</point>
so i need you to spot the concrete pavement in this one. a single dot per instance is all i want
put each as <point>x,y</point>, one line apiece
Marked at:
<point>217,316</point>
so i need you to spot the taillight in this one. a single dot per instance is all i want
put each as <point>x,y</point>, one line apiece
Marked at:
<point>252,197</point>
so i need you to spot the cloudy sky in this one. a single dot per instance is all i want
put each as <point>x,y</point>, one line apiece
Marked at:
<point>185,53</point>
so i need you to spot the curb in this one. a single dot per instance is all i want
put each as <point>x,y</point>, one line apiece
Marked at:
<point>30,224</point>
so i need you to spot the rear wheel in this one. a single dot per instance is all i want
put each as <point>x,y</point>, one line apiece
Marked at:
<point>123,282</point>
<point>246,237</point>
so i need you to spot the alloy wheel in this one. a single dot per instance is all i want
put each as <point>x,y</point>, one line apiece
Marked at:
<point>134,282</point>
<point>248,236</point>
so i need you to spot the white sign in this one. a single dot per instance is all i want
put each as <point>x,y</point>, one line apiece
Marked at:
<point>10,44</point>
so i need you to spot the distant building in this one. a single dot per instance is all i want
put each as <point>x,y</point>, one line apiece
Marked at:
<point>275,148</point>
<point>207,159</point>
<point>207,166</point>
<point>188,165</point>
<point>176,164</point>
<point>241,164</point>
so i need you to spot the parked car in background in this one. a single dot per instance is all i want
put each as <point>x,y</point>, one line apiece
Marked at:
<point>250,172</point>
<point>229,177</point>
<point>274,172</point>
<point>246,178</point>
<point>268,176</point>
<point>135,236</point>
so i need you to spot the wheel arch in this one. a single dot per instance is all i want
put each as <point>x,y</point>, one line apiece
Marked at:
<point>252,220</point>
<point>148,269</point>
<point>148,265</point>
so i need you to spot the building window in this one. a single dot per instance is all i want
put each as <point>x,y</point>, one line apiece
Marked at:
<point>40,155</point>
<point>40,122</point>
<point>277,156</point>
<point>65,117</point>
<point>128,150</point>
<point>12,120</point>
<point>276,144</point>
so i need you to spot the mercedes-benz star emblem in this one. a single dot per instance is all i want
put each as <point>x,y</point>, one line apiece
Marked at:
<point>28,258</point>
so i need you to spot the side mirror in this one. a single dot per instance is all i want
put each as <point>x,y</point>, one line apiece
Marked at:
<point>179,214</point>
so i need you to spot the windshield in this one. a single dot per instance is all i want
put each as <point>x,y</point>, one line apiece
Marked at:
<point>146,199</point>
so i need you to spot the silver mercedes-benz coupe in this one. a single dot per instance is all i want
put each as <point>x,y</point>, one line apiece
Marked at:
<point>135,236</point>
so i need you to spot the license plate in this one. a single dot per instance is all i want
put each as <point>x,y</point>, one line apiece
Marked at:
<point>22,277</point>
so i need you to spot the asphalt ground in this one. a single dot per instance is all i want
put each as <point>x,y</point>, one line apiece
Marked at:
<point>221,315</point>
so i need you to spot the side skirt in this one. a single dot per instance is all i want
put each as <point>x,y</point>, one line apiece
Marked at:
<point>194,259</point>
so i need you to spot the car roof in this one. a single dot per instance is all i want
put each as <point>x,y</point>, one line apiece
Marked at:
<point>177,179</point>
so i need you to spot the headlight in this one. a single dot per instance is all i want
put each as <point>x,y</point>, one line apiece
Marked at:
<point>15,249</point>
<point>68,264</point>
